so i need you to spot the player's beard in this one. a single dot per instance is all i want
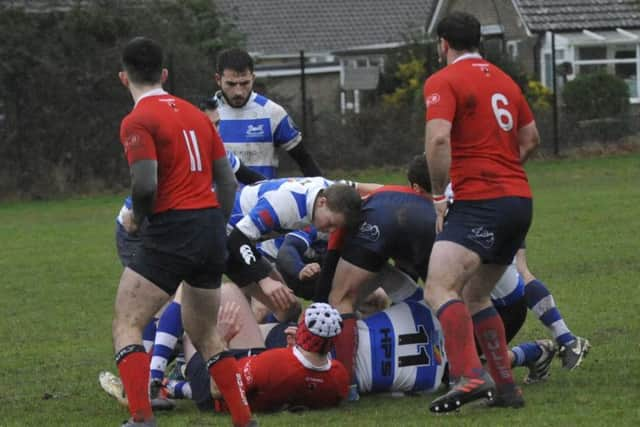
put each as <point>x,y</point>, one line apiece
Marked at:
<point>236,101</point>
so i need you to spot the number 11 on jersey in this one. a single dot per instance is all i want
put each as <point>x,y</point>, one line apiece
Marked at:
<point>193,149</point>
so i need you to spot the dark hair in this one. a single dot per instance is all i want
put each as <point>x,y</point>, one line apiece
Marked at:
<point>461,30</point>
<point>235,59</point>
<point>418,172</point>
<point>344,199</point>
<point>210,103</point>
<point>142,60</point>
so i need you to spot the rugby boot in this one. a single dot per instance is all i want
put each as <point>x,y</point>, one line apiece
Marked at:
<point>539,368</point>
<point>574,352</point>
<point>465,390</point>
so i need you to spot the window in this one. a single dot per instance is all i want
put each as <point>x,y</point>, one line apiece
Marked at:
<point>627,71</point>
<point>618,59</point>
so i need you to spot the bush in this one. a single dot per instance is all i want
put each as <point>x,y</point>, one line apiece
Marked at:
<point>593,96</point>
<point>61,98</point>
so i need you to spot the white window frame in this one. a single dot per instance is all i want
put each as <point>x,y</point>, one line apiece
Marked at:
<point>592,39</point>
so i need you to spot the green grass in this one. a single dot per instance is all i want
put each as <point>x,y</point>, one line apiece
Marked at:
<point>59,275</point>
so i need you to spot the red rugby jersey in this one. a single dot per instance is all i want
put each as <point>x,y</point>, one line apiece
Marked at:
<point>276,378</point>
<point>182,139</point>
<point>486,109</point>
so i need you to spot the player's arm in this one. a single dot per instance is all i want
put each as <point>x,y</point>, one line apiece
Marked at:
<point>438,149</point>
<point>226,184</point>
<point>290,256</point>
<point>307,164</point>
<point>528,140</point>
<point>144,183</point>
<point>248,176</point>
<point>528,137</point>
<point>364,188</point>
<point>288,137</point>
<point>347,280</point>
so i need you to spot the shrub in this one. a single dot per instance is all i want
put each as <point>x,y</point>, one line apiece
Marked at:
<point>592,96</point>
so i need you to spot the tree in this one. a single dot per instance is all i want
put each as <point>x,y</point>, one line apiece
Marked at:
<point>62,100</point>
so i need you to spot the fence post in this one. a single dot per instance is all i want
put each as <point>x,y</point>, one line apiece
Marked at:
<point>303,89</point>
<point>556,148</point>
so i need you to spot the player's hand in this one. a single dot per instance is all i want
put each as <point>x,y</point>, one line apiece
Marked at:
<point>290,334</point>
<point>441,211</point>
<point>309,271</point>
<point>129,223</point>
<point>229,322</point>
<point>278,293</point>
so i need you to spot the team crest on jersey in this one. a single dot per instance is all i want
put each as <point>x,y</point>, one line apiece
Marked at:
<point>132,142</point>
<point>255,131</point>
<point>433,99</point>
<point>369,232</point>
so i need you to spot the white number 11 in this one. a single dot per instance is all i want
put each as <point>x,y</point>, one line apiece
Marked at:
<point>194,150</point>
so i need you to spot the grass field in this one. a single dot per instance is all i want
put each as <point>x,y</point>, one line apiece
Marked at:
<point>59,274</point>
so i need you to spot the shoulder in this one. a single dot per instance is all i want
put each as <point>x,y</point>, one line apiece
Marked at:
<point>270,107</point>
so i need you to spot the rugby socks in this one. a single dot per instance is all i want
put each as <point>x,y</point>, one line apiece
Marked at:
<point>149,334</point>
<point>346,344</point>
<point>133,365</point>
<point>167,334</point>
<point>490,334</point>
<point>526,353</point>
<point>224,371</point>
<point>541,302</point>
<point>459,342</point>
<point>179,389</point>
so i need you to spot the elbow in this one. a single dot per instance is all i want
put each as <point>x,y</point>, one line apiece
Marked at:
<point>439,141</point>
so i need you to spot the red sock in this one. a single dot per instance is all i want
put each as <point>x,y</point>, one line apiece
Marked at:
<point>224,371</point>
<point>490,333</point>
<point>458,340</point>
<point>133,365</point>
<point>346,344</point>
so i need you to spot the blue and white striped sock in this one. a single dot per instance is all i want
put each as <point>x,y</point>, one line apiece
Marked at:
<point>526,353</point>
<point>179,389</point>
<point>167,334</point>
<point>149,334</point>
<point>541,302</point>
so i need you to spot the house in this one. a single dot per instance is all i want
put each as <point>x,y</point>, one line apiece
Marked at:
<point>344,43</point>
<point>588,35</point>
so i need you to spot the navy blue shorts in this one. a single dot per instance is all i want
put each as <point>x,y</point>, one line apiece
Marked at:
<point>179,245</point>
<point>494,228</point>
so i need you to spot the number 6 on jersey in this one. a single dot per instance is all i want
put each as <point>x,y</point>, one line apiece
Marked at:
<point>502,114</point>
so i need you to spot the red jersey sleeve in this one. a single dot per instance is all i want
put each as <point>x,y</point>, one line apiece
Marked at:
<point>137,141</point>
<point>525,116</point>
<point>439,99</point>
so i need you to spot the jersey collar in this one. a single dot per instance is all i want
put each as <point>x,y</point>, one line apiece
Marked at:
<point>307,364</point>
<point>467,56</point>
<point>152,92</point>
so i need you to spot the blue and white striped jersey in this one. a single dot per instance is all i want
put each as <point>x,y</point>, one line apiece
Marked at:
<point>274,207</point>
<point>128,204</point>
<point>400,349</point>
<point>255,130</point>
